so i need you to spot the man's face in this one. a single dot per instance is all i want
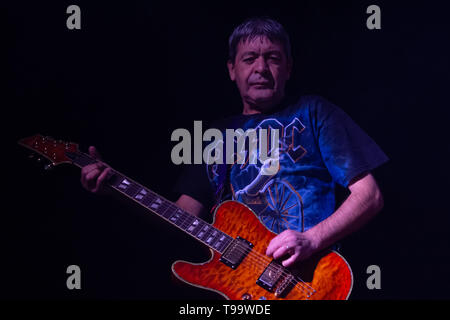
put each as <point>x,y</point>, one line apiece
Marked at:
<point>260,69</point>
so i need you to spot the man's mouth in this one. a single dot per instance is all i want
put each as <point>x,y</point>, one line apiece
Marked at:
<point>261,84</point>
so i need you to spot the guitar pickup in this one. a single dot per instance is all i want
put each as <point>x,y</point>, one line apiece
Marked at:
<point>270,276</point>
<point>236,252</point>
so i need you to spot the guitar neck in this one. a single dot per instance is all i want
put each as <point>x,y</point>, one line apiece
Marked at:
<point>194,226</point>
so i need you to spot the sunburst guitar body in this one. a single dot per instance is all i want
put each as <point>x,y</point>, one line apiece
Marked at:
<point>325,276</point>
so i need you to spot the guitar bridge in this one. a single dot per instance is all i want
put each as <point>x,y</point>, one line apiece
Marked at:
<point>236,252</point>
<point>285,286</point>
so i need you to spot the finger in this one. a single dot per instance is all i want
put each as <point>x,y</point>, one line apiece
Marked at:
<point>280,252</point>
<point>91,178</point>
<point>94,153</point>
<point>273,246</point>
<point>291,260</point>
<point>286,249</point>
<point>101,178</point>
<point>96,166</point>
<point>277,242</point>
<point>89,172</point>
<point>84,171</point>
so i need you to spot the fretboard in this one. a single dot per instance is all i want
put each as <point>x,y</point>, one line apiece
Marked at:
<point>194,226</point>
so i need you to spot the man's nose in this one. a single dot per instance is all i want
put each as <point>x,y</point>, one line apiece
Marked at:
<point>261,65</point>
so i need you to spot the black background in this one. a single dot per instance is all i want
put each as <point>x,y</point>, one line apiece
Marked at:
<point>137,70</point>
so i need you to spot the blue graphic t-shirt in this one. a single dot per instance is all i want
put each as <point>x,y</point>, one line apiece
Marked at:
<point>319,146</point>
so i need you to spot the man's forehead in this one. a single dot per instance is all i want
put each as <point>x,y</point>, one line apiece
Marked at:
<point>257,44</point>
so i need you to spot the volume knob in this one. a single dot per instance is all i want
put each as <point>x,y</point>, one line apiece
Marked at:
<point>246,296</point>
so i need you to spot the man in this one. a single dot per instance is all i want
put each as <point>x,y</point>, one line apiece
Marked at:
<point>319,146</point>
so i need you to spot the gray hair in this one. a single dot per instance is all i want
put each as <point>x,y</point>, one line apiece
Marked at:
<point>257,27</point>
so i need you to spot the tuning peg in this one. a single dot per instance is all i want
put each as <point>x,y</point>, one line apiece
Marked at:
<point>31,156</point>
<point>49,166</point>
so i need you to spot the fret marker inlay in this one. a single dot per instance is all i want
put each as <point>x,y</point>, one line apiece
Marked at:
<point>141,194</point>
<point>156,204</point>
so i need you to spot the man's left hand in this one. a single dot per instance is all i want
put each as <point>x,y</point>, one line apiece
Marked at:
<point>295,245</point>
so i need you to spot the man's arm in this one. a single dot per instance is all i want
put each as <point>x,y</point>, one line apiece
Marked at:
<point>190,205</point>
<point>364,201</point>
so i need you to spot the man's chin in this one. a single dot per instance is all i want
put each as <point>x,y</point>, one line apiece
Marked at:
<point>263,102</point>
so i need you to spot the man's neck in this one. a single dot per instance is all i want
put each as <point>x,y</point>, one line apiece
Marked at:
<point>250,108</point>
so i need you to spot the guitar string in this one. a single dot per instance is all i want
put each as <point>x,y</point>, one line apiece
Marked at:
<point>302,286</point>
<point>298,285</point>
<point>261,260</point>
<point>264,262</point>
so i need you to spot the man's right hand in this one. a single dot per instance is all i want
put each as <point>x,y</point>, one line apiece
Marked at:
<point>93,176</point>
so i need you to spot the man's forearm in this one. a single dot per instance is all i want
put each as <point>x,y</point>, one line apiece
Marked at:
<point>364,201</point>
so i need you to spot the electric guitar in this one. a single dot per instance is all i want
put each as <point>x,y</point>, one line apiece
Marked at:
<point>238,267</point>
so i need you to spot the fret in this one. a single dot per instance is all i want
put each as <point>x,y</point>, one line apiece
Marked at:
<point>166,209</point>
<point>148,199</point>
<point>203,231</point>
<point>168,213</point>
<point>128,187</point>
<point>187,222</point>
<point>175,218</point>
<point>198,228</point>
<point>156,203</point>
<point>194,225</point>
<point>141,194</point>
<point>115,179</point>
<point>211,238</point>
<point>123,184</point>
<point>226,243</point>
<point>222,243</point>
<point>218,240</point>
<point>184,217</point>
<point>132,189</point>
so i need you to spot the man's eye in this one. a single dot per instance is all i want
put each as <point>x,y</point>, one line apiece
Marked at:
<point>274,58</point>
<point>249,60</point>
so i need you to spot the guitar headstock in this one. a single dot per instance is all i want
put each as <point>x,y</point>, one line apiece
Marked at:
<point>56,151</point>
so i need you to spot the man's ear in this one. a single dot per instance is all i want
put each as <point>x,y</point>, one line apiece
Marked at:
<point>231,71</point>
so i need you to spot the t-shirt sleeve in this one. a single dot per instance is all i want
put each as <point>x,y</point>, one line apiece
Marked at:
<point>194,182</point>
<point>346,149</point>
